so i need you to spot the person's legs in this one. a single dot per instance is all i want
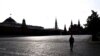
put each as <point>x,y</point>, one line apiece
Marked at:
<point>71,46</point>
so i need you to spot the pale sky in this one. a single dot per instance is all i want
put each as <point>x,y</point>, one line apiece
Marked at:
<point>44,12</point>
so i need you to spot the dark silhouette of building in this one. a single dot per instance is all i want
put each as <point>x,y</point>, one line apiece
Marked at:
<point>70,28</point>
<point>76,28</point>
<point>65,31</point>
<point>24,29</point>
<point>23,23</point>
<point>53,31</point>
<point>79,23</point>
<point>10,27</point>
<point>56,24</point>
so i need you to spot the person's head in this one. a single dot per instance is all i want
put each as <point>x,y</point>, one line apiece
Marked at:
<point>71,35</point>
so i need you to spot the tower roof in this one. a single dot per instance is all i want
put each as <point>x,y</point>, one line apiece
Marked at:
<point>65,27</point>
<point>9,20</point>
<point>71,22</point>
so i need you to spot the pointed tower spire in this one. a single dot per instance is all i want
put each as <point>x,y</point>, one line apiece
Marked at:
<point>78,22</point>
<point>65,28</point>
<point>56,24</point>
<point>71,26</point>
<point>71,23</point>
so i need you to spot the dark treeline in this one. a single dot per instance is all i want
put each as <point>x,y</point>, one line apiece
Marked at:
<point>11,28</point>
<point>93,25</point>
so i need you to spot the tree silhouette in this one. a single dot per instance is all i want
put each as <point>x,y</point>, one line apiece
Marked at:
<point>92,25</point>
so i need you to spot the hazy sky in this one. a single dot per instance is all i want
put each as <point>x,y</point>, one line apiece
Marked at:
<point>44,12</point>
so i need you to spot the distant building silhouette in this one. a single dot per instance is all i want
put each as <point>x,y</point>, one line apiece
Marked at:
<point>24,29</point>
<point>23,23</point>
<point>76,28</point>
<point>71,24</point>
<point>10,22</point>
<point>79,23</point>
<point>54,31</point>
<point>70,28</point>
<point>56,24</point>
<point>11,27</point>
<point>65,30</point>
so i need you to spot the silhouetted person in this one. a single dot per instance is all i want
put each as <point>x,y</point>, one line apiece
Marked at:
<point>71,41</point>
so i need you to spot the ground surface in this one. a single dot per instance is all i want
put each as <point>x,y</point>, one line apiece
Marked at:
<point>49,46</point>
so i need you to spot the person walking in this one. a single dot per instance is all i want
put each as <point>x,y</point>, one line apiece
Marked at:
<point>71,41</point>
